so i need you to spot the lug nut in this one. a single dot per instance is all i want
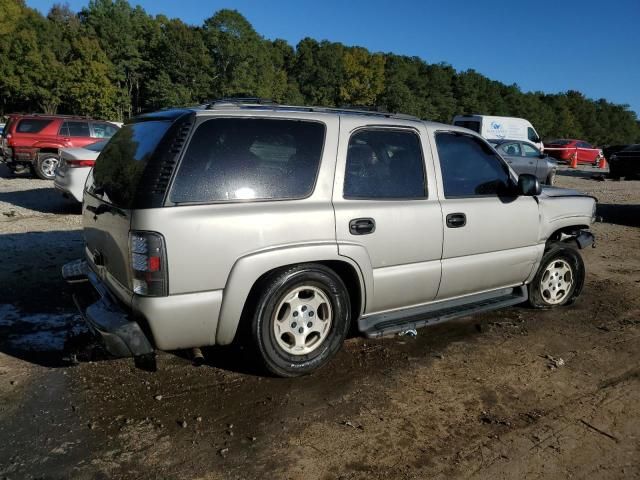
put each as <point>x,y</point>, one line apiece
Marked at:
<point>311,313</point>
<point>295,314</point>
<point>300,330</point>
<point>304,308</point>
<point>294,325</point>
<point>309,325</point>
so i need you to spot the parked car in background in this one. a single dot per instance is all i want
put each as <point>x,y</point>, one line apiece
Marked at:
<point>524,157</point>
<point>625,163</point>
<point>75,165</point>
<point>34,141</point>
<point>299,224</point>
<point>498,128</point>
<point>609,150</point>
<point>566,149</point>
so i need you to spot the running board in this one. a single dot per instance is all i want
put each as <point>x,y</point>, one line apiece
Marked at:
<point>388,323</point>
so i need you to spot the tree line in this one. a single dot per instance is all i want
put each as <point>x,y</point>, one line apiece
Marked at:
<point>112,60</point>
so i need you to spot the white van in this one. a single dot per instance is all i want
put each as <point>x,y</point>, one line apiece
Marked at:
<point>498,128</point>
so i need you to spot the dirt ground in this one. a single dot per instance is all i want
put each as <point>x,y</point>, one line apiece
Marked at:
<point>516,393</point>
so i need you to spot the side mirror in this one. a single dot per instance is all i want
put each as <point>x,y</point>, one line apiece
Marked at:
<point>528,185</point>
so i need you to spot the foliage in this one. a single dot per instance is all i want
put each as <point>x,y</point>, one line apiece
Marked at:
<point>112,60</point>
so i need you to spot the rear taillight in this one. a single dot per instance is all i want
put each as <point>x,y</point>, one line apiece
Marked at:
<point>148,264</point>
<point>79,163</point>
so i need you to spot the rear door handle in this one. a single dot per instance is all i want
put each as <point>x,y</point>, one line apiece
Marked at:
<point>362,226</point>
<point>456,220</point>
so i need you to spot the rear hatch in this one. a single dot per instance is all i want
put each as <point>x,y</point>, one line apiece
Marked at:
<point>128,174</point>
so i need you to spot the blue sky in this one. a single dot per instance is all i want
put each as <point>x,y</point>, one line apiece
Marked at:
<point>590,46</point>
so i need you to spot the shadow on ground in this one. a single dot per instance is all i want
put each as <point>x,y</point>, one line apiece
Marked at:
<point>627,215</point>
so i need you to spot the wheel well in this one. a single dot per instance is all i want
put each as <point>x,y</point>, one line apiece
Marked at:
<point>344,270</point>
<point>571,231</point>
<point>48,150</point>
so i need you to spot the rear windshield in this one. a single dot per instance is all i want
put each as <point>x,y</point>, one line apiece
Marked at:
<point>120,165</point>
<point>559,142</point>
<point>632,148</point>
<point>470,124</point>
<point>249,159</point>
<point>32,125</point>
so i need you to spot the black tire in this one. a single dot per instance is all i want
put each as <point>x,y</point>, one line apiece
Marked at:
<point>273,291</point>
<point>551,178</point>
<point>560,252</point>
<point>42,167</point>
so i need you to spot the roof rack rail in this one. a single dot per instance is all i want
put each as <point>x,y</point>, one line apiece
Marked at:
<point>255,103</point>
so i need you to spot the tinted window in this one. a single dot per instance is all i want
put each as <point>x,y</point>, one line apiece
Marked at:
<point>470,124</point>
<point>632,148</point>
<point>32,125</point>
<point>584,145</point>
<point>384,164</point>
<point>121,163</point>
<point>104,130</point>
<point>511,149</point>
<point>532,135</point>
<point>78,129</point>
<point>469,167</point>
<point>530,150</point>
<point>249,159</point>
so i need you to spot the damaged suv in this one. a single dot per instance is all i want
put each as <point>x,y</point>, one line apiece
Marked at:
<point>296,223</point>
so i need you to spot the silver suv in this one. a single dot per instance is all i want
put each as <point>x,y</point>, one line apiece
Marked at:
<point>297,222</point>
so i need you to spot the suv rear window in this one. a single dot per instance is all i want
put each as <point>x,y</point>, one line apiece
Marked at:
<point>249,159</point>
<point>120,165</point>
<point>32,125</point>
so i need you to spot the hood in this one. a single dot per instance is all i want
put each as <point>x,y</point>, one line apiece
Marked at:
<point>553,192</point>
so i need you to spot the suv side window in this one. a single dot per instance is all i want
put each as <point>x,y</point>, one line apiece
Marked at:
<point>532,135</point>
<point>530,150</point>
<point>103,130</point>
<point>249,159</point>
<point>384,164</point>
<point>32,125</point>
<point>76,129</point>
<point>469,167</point>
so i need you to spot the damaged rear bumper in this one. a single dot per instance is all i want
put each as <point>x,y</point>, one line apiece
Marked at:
<point>113,325</point>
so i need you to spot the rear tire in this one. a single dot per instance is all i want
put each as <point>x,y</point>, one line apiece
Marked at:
<point>45,166</point>
<point>301,319</point>
<point>551,178</point>
<point>559,279</point>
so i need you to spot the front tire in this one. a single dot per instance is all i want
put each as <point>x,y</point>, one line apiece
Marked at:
<point>301,319</point>
<point>45,167</point>
<point>551,178</point>
<point>559,279</point>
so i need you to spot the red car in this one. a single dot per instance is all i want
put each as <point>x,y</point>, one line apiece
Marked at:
<point>567,149</point>
<point>34,141</point>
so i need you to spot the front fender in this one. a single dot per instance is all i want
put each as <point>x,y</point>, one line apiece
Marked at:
<point>247,270</point>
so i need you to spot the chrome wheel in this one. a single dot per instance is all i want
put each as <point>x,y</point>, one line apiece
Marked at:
<point>556,282</point>
<point>302,320</point>
<point>48,166</point>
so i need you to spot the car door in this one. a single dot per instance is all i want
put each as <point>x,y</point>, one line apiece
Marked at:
<point>388,217</point>
<point>79,132</point>
<point>490,239</point>
<point>533,157</point>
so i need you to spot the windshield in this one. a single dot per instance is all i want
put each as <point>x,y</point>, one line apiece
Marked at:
<point>120,165</point>
<point>97,146</point>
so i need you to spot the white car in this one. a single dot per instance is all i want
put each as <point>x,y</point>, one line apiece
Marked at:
<point>74,168</point>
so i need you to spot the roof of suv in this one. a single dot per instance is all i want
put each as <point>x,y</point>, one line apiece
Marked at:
<point>233,105</point>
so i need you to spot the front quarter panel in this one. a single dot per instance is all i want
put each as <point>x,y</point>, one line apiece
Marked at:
<point>564,211</point>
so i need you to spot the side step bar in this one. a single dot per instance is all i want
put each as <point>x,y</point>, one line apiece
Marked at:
<point>389,323</point>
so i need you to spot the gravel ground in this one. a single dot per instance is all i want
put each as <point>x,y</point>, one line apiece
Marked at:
<point>510,394</point>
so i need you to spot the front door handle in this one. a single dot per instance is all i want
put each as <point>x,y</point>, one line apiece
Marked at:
<point>456,220</point>
<point>362,226</point>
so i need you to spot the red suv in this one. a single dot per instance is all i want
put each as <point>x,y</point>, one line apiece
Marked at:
<point>34,141</point>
